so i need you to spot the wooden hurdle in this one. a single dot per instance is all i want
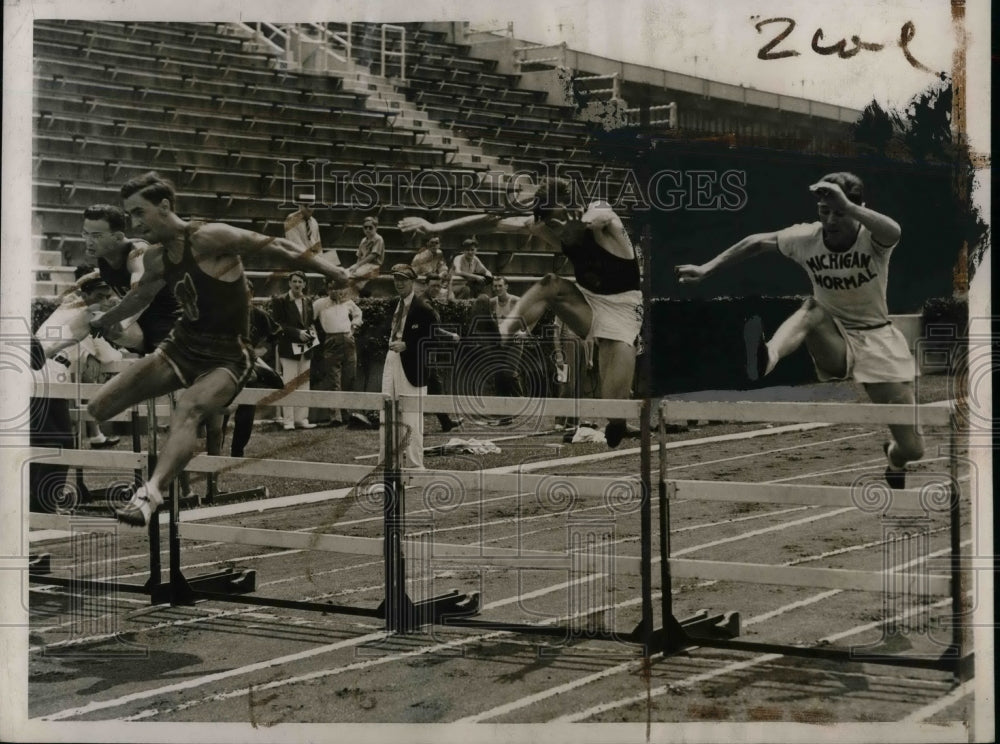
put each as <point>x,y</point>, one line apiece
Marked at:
<point>401,614</point>
<point>952,659</point>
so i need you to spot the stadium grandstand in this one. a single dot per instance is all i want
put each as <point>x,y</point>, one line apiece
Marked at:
<point>428,119</point>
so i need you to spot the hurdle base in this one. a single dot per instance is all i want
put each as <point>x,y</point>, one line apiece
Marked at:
<point>40,564</point>
<point>409,616</point>
<point>676,635</point>
<point>703,625</point>
<point>182,590</point>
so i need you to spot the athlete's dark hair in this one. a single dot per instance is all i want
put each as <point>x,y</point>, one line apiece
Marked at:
<point>852,186</point>
<point>553,194</point>
<point>152,187</point>
<point>111,214</point>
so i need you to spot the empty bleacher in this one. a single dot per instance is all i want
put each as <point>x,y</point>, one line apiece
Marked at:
<point>241,135</point>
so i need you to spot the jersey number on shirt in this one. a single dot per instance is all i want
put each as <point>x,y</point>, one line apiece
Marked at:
<point>187,297</point>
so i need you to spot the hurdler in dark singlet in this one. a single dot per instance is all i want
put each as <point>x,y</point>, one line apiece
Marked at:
<point>599,271</point>
<point>157,320</point>
<point>611,287</point>
<point>214,320</point>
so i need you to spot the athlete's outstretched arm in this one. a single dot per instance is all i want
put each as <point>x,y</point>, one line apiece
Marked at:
<point>469,223</point>
<point>221,239</point>
<point>752,245</point>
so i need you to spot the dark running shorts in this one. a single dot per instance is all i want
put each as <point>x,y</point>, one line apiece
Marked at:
<point>192,356</point>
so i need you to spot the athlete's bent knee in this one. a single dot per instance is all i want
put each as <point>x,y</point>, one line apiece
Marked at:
<point>910,449</point>
<point>98,410</point>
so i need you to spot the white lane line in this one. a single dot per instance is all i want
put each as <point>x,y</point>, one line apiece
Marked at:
<point>369,662</point>
<point>762,531</point>
<point>625,667</point>
<point>679,444</point>
<point>200,618</point>
<point>208,679</point>
<point>729,668</point>
<point>921,715</point>
<point>320,674</point>
<point>510,600</point>
<point>105,636</point>
<point>656,559</point>
<point>762,453</point>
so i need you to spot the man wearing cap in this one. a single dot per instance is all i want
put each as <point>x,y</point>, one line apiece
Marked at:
<point>293,311</point>
<point>412,324</point>
<point>467,266</point>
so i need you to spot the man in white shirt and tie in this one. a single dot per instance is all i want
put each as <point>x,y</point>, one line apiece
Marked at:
<point>337,319</point>
<point>412,325</point>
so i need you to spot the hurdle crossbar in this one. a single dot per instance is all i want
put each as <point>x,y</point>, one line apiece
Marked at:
<point>469,555</point>
<point>281,539</point>
<point>830,413</point>
<point>520,482</point>
<point>251,396</point>
<point>78,458</point>
<point>910,499</point>
<point>821,578</point>
<point>305,469</point>
<point>916,585</point>
<point>598,408</point>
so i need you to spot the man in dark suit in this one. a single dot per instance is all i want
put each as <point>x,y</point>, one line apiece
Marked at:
<point>412,324</point>
<point>293,312</point>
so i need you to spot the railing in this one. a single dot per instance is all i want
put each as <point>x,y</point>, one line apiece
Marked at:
<point>507,31</point>
<point>267,33</point>
<point>581,84</point>
<point>385,52</point>
<point>655,115</point>
<point>525,55</point>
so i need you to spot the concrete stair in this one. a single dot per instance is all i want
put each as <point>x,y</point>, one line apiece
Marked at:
<point>383,97</point>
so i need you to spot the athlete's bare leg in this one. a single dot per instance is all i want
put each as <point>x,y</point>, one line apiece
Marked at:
<point>551,291</point>
<point>148,377</point>
<point>908,443</point>
<point>812,325</point>
<point>617,360</point>
<point>208,396</point>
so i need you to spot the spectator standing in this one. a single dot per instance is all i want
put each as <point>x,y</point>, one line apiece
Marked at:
<point>337,320</point>
<point>478,351</point>
<point>263,336</point>
<point>412,325</point>
<point>508,372</point>
<point>293,312</point>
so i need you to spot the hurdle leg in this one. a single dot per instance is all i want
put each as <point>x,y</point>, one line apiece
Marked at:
<point>153,583</point>
<point>963,668</point>
<point>676,634</point>
<point>398,609</point>
<point>646,534</point>
<point>402,614</point>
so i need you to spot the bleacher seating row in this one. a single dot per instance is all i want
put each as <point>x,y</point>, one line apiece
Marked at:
<point>233,128</point>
